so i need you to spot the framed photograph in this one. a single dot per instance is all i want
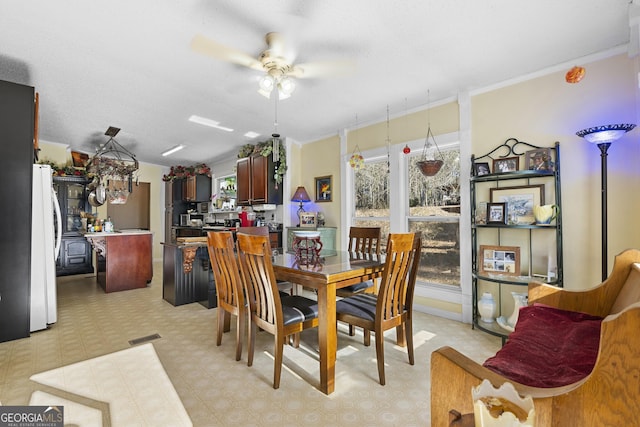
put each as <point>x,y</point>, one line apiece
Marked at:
<point>79,159</point>
<point>499,260</point>
<point>481,213</point>
<point>507,164</point>
<point>324,188</point>
<point>496,213</point>
<point>308,219</point>
<point>520,201</point>
<point>539,160</point>
<point>480,169</point>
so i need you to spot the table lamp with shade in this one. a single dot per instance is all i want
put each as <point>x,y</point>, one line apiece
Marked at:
<point>603,136</point>
<point>301,196</point>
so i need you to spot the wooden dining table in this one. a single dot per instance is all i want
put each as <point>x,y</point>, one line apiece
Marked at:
<point>331,272</point>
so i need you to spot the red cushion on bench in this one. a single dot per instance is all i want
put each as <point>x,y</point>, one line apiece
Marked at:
<point>549,347</point>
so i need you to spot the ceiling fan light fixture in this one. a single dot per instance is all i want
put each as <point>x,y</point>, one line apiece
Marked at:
<point>286,86</point>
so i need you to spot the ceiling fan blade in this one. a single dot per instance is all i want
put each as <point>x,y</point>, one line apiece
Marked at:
<point>206,46</point>
<point>313,70</point>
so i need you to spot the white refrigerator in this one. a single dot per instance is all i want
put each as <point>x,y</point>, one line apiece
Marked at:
<point>45,248</point>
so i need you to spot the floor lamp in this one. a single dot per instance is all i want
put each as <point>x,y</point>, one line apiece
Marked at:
<point>603,136</point>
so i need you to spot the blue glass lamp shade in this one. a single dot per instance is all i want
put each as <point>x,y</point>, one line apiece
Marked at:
<point>605,134</point>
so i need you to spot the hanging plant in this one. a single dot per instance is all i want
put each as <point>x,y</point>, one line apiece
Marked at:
<point>176,172</point>
<point>429,165</point>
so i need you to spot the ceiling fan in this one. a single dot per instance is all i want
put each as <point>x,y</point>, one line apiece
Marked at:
<point>276,61</point>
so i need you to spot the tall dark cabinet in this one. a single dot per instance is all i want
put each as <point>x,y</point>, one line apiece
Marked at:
<point>16,149</point>
<point>75,251</point>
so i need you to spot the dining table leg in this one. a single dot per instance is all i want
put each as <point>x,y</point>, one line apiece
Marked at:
<point>327,336</point>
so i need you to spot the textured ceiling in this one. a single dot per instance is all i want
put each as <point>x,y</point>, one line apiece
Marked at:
<point>129,63</point>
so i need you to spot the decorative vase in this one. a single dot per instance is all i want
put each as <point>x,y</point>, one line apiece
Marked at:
<point>519,300</point>
<point>486,307</point>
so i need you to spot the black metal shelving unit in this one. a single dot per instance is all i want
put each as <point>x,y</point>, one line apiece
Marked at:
<point>526,234</point>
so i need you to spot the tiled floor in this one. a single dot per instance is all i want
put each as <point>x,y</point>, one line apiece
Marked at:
<point>214,388</point>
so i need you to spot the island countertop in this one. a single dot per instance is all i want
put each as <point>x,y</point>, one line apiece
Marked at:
<point>117,233</point>
<point>123,259</point>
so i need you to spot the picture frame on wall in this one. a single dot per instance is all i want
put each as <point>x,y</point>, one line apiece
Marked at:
<point>324,188</point>
<point>500,260</point>
<point>506,164</point>
<point>308,219</point>
<point>496,213</point>
<point>520,201</point>
<point>539,160</point>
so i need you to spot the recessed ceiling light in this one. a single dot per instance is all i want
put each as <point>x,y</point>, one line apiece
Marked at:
<point>173,150</point>
<point>252,134</point>
<point>208,122</point>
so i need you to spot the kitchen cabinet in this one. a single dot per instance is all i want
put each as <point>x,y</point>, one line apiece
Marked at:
<point>255,181</point>
<point>515,236</point>
<point>75,252</point>
<point>196,188</point>
<point>17,124</point>
<point>187,275</point>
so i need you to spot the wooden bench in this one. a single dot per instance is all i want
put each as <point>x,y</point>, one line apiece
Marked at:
<point>608,395</point>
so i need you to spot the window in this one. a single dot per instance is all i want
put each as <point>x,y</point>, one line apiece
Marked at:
<point>434,209</point>
<point>371,197</point>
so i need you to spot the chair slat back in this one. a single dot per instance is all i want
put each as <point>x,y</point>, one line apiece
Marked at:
<point>395,296</point>
<point>226,271</point>
<point>259,278</point>
<point>365,240</point>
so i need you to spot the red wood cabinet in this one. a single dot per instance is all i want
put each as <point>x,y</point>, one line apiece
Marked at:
<point>255,181</point>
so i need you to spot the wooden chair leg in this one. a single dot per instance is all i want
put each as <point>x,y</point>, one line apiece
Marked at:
<point>367,338</point>
<point>277,363</point>
<point>239,334</point>
<point>220,326</point>
<point>250,345</point>
<point>227,320</point>
<point>409,334</point>
<point>380,356</point>
<point>352,330</point>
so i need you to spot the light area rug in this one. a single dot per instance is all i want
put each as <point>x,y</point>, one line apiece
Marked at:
<point>131,384</point>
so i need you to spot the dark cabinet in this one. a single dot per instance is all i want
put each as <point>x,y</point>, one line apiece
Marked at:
<point>196,188</point>
<point>75,251</point>
<point>255,181</point>
<point>16,122</point>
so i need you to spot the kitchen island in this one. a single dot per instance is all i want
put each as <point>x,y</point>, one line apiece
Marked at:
<point>124,259</point>
<point>186,273</point>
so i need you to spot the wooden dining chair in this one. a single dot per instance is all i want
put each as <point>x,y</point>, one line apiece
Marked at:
<point>393,306</point>
<point>363,241</point>
<point>278,316</point>
<point>284,286</point>
<point>229,289</point>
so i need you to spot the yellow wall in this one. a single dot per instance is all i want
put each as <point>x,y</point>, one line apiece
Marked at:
<point>547,109</point>
<point>539,110</point>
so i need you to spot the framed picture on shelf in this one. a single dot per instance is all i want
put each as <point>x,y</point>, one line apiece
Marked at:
<point>481,213</point>
<point>496,213</point>
<point>539,160</point>
<point>506,164</point>
<point>308,219</point>
<point>500,260</point>
<point>481,168</point>
<point>324,188</point>
<point>520,201</point>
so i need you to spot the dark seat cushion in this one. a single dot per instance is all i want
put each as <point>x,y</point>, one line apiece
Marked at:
<point>360,305</point>
<point>549,347</point>
<point>297,309</point>
<point>358,287</point>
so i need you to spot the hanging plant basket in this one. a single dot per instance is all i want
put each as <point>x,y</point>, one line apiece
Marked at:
<point>429,167</point>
